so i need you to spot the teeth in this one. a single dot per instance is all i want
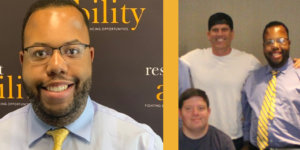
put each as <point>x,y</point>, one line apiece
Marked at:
<point>57,88</point>
<point>276,54</point>
<point>220,40</point>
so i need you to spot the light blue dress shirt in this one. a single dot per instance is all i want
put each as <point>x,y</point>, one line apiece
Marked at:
<point>184,81</point>
<point>97,128</point>
<point>284,129</point>
<point>184,77</point>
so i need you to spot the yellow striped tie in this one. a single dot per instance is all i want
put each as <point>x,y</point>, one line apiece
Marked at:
<point>58,135</point>
<point>266,113</point>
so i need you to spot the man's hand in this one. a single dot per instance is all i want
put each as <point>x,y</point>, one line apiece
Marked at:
<point>296,62</point>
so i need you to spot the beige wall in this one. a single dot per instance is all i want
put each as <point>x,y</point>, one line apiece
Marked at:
<point>249,18</point>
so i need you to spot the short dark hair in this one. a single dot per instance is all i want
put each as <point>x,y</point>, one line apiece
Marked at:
<point>191,92</point>
<point>275,23</point>
<point>220,18</point>
<point>41,4</point>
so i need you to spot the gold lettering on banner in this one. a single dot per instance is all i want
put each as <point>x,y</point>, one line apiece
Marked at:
<point>159,95</point>
<point>127,14</point>
<point>1,89</point>
<point>19,89</point>
<point>10,87</point>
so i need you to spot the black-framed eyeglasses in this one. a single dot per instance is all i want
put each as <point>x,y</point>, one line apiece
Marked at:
<point>281,41</point>
<point>42,53</point>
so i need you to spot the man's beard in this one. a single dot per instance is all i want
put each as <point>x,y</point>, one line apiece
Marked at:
<point>285,57</point>
<point>68,114</point>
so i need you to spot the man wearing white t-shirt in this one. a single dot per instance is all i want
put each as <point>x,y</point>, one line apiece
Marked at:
<point>221,71</point>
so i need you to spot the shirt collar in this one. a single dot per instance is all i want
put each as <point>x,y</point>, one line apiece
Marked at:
<point>81,127</point>
<point>282,69</point>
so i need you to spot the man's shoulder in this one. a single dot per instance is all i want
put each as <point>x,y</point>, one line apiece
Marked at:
<point>218,133</point>
<point>245,55</point>
<point>119,120</point>
<point>297,70</point>
<point>15,115</point>
<point>196,53</point>
<point>196,56</point>
<point>118,126</point>
<point>258,72</point>
<point>255,77</point>
<point>12,124</point>
<point>220,139</point>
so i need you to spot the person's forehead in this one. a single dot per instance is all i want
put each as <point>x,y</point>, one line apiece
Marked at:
<point>276,30</point>
<point>51,13</point>
<point>223,25</point>
<point>55,26</point>
<point>194,100</point>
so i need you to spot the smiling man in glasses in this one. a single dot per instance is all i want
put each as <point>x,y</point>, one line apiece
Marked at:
<point>271,95</point>
<point>57,67</point>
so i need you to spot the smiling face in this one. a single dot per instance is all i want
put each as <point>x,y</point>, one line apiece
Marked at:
<point>276,53</point>
<point>220,37</point>
<point>194,114</point>
<point>57,88</point>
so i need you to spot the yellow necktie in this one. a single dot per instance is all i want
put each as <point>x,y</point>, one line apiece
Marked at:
<point>58,135</point>
<point>266,113</point>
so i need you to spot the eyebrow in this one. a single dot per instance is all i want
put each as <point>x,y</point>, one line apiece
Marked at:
<point>75,41</point>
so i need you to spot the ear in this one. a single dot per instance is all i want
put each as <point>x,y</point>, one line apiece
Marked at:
<point>21,56</point>
<point>208,110</point>
<point>232,37</point>
<point>208,35</point>
<point>92,53</point>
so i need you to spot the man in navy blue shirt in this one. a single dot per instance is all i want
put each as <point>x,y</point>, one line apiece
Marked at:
<point>196,133</point>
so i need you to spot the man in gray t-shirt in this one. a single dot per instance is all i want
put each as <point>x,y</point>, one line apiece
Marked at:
<point>196,133</point>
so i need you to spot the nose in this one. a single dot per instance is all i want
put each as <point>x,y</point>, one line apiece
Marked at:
<point>219,32</point>
<point>195,111</point>
<point>275,46</point>
<point>56,65</point>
